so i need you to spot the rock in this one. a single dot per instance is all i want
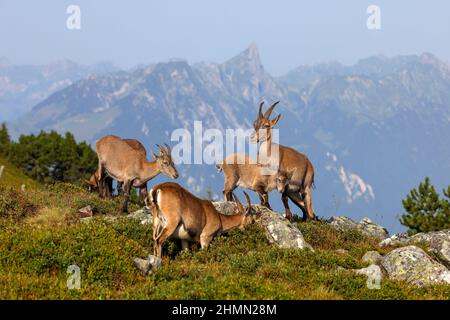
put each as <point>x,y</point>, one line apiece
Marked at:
<point>154,261</point>
<point>414,266</point>
<point>366,226</point>
<point>372,257</point>
<point>438,243</point>
<point>278,230</point>
<point>143,215</point>
<point>147,266</point>
<point>341,251</point>
<point>373,271</point>
<point>143,265</point>
<point>86,212</point>
<point>87,219</point>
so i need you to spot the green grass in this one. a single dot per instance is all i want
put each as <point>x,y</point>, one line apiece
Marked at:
<point>15,178</point>
<point>41,235</point>
<point>241,265</point>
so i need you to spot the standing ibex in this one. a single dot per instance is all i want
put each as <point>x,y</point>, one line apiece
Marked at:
<point>92,183</point>
<point>299,170</point>
<point>179,214</point>
<point>123,163</point>
<point>240,170</point>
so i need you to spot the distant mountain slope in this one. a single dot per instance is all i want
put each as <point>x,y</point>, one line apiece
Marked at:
<point>372,130</point>
<point>23,86</point>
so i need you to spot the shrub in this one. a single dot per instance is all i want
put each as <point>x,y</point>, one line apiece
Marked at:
<point>425,211</point>
<point>15,204</point>
<point>50,157</point>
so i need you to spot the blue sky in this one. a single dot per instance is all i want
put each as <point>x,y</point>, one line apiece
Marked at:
<point>287,33</point>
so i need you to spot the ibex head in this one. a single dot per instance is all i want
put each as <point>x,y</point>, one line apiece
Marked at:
<point>247,218</point>
<point>165,162</point>
<point>263,125</point>
<point>282,181</point>
<point>92,183</point>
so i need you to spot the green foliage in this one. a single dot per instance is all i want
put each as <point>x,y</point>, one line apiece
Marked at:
<point>4,140</point>
<point>15,178</point>
<point>425,211</point>
<point>15,205</point>
<point>38,246</point>
<point>50,157</point>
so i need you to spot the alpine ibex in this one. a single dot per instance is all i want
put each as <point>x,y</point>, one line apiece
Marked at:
<point>240,170</point>
<point>179,214</point>
<point>119,161</point>
<point>298,168</point>
<point>92,183</point>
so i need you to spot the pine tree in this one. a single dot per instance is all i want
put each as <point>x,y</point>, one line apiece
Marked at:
<point>50,157</point>
<point>425,211</point>
<point>5,140</point>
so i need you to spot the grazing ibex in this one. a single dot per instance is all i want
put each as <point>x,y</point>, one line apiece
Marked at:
<point>298,168</point>
<point>119,161</point>
<point>92,183</point>
<point>179,214</point>
<point>240,170</point>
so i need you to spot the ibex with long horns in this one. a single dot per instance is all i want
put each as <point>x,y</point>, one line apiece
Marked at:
<point>179,214</point>
<point>119,161</point>
<point>299,170</point>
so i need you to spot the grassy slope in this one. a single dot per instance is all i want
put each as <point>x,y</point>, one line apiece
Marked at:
<point>39,242</point>
<point>15,178</point>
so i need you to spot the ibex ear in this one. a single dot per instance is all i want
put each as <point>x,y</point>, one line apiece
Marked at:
<point>275,120</point>
<point>154,155</point>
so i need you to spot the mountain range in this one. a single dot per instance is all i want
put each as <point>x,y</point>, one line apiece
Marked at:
<point>373,130</point>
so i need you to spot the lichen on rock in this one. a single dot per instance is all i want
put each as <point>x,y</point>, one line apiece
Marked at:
<point>365,226</point>
<point>414,266</point>
<point>438,243</point>
<point>278,230</point>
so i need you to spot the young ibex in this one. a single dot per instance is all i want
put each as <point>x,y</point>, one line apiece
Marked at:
<point>123,163</point>
<point>299,170</point>
<point>179,214</point>
<point>240,170</point>
<point>92,183</point>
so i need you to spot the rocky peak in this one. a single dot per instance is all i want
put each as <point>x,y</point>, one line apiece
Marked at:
<point>248,60</point>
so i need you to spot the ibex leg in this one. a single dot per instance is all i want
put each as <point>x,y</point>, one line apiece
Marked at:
<point>309,209</point>
<point>298,201</point>
<point>264,197</point>
<point>284,198</point>
<point>166,233</point>
<point>127,188</point>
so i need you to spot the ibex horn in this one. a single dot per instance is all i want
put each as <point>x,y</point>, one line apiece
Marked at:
<point>169,150</point>
<point>260,115</point>
<point>160,149</point>
<point>248,203</point>
<point>238,203</point>
<point>269,111</point>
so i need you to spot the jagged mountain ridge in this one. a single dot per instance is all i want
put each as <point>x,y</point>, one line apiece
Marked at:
<point>372,130</point>
<point>23,86</point>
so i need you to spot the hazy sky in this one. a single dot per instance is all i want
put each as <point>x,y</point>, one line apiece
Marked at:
<point>287,33</point>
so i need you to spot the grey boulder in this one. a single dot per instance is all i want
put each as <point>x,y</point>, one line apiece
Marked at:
<point>147,266</point>
<point>415,266</point>
<point>438,243</point>
<point>372,257</point>
<point>278,230</point>
<point>365,226</point>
